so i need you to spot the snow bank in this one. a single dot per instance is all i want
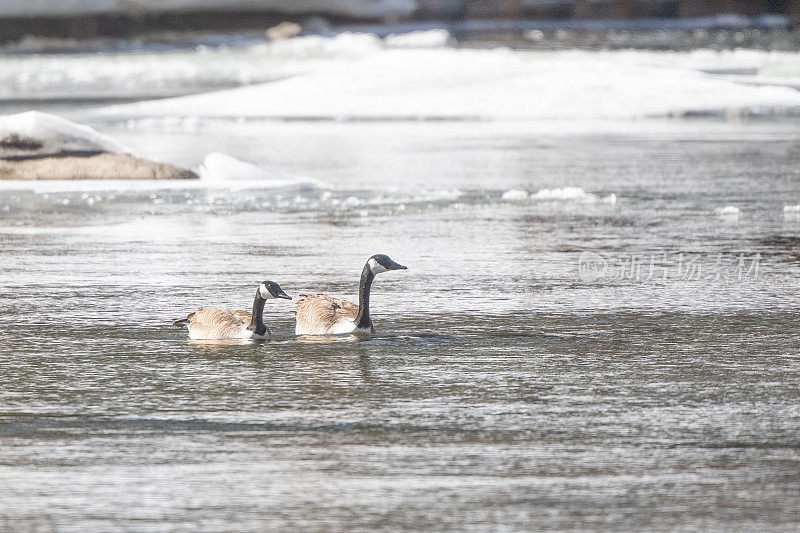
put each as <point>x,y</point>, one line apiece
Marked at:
<point>222,167</point>
<point>217,168</point>
<point>497,84</point>
<point>28,140</point>
<point>515,195</point>
<point>42,133</point>
<point>418,39</point>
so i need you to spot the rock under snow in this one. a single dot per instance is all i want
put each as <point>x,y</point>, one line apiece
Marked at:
<point>39,146</point>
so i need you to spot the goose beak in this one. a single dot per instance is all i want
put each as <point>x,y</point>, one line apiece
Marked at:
<point>284,296</point>
<point>397,266</point>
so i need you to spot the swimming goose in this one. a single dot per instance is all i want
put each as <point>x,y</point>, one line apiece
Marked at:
<point>215,323</point>
<point>318,314</point>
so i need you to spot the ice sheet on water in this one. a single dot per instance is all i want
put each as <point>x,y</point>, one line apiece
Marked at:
<point>568,81</point>
<point>488,84</point>
<point>94,70</point>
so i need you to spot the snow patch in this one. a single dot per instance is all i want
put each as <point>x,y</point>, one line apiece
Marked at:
<point>218,168</point>
<point>345,45</point>
<point>418,39</point>
<point>515,195</point>
<point>222,167</point>
<point>56,134</point>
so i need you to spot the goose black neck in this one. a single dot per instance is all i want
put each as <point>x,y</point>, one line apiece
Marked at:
<point>362,319</point>
<point>257,325</point>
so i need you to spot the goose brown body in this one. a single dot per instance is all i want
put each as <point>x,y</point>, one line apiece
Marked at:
<point>216,323</point>
<point>319,314</point>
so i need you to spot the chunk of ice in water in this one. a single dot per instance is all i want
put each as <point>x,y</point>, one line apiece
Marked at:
<point>217,166</point>
<point>727,211</point>
<point>515,195</point>
<point>418,39</point>
<point>572,194</point>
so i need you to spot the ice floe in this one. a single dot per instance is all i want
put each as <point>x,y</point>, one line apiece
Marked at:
<point>729,212</point>
<point>515,195</point>
<point>572,194</point>
<point>558,195</point>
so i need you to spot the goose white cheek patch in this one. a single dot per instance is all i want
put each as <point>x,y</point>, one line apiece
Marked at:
<point>265,293</point>
<point>376,267</point>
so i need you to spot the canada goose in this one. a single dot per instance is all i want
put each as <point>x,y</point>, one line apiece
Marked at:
<point>318,314</point>
<point>215,323</point>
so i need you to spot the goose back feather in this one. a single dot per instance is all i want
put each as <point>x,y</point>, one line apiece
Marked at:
<point>319,314</point>
<point>216,323</point>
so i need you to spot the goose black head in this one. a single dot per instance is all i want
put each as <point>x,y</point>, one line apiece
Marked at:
<point>270,289</point>
<point>381,263</point>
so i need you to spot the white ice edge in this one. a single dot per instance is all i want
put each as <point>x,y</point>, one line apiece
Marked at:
<point>558,195</point>
<point>358,78</point>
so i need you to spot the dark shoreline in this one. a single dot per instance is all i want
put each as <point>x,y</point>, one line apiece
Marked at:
<point>179,26</point>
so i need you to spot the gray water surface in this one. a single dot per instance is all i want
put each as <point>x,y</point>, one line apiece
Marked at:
<point>502,391</point>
